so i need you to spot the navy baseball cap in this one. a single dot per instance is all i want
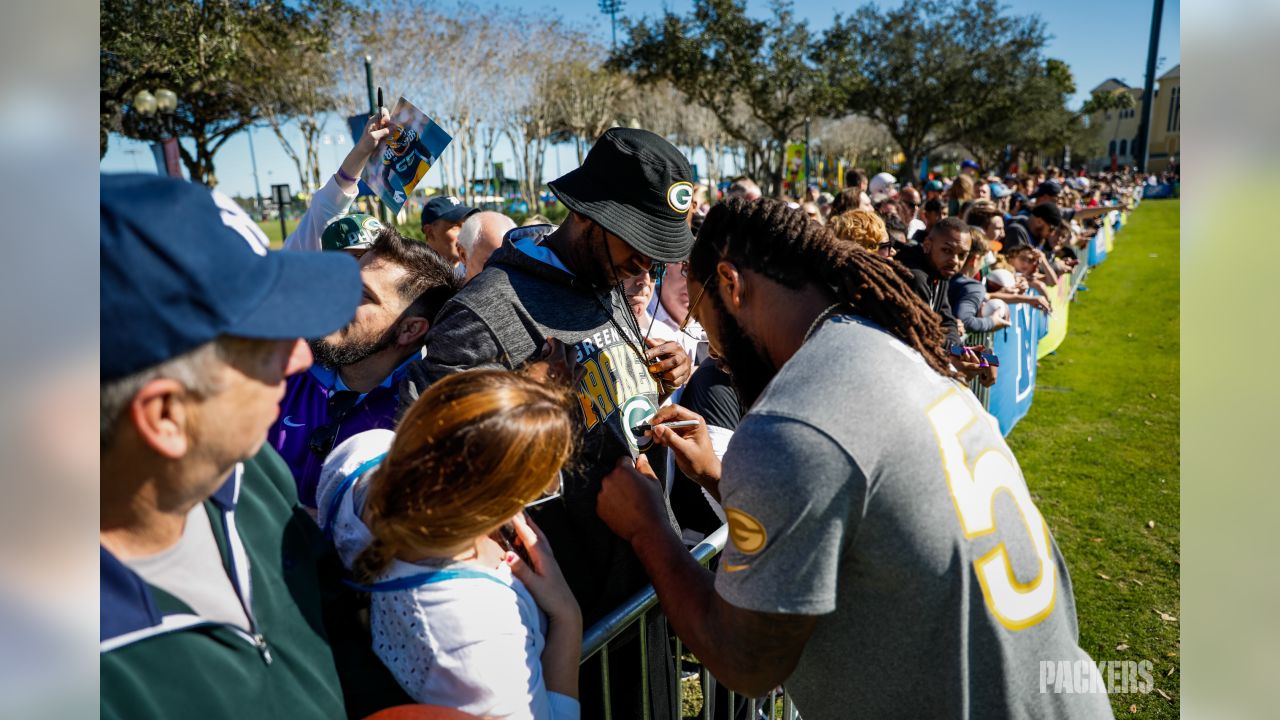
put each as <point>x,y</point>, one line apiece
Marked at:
<point>183,265</point>
<point>1048,187</point>
<point>445,207</point>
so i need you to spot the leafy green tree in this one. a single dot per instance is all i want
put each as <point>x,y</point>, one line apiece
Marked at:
<point>212,53</point>
<point>758,76</point>
<point>1045,125</point>
<point>933,72</point>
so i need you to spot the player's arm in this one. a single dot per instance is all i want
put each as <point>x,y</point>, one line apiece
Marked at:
<point>778,573</point>
<point>749,652</point>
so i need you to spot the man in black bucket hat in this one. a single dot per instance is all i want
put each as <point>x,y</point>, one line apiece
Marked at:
<point>629,203</point>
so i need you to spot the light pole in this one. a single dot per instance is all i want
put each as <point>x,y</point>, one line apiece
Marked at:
<point>163,104</point>
<point>373,110</point>
<point>257,190</point>
<point>612,8</point>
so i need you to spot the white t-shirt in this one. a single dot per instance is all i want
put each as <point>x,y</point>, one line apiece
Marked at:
<point>693,339</point>
<point>327,204</point>
<point>192,571</point>
<point>471,639</point>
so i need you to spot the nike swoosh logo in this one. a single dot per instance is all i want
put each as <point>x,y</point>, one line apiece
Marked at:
<point>729,567</point>
<point>288,421</point>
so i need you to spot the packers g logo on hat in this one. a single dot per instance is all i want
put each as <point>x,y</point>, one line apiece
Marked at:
<point>680,196</point>
<point>352,232</point>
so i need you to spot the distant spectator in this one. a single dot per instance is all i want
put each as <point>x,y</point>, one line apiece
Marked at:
<point>814,213</point>
<point>848,199</point>
<point>1047,192</point>
<point>638,292</point>
<point>910,199</point>
<point>897,237</point>
<point>442,218</point>
<point>1003,284</point>
<point>934,212</point>
<point>967,294</point>
<point>960,191</point>
<point>480,235</point>
<point>970,169</point>
<point>536,219</point>
<point>864,202</point>
<point>985,215</point>
<point>856,179</point>
<point>882,186</point>
<point>669,309</point>
<point>932,190</point>
<point>745,187</point>
<point>862,228</point>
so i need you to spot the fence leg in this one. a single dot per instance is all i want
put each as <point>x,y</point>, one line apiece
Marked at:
<point>646,711</point>
<point>679,679</point>
<point>708,693</point>
<point>753,709</point>
<point>788,707</point>
<point>604,677</point>
<point>733,700</point>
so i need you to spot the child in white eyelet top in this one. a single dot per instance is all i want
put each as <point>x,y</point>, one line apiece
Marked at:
<point>459,620</point>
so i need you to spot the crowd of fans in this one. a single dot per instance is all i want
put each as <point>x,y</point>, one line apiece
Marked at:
<point>333,476</point>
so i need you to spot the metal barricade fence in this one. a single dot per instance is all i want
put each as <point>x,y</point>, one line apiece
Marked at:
<point>637,610</point>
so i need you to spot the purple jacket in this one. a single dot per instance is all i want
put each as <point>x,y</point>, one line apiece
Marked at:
<point>305,409</point>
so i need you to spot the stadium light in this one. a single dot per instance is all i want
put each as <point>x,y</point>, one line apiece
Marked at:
<point>612,8</point>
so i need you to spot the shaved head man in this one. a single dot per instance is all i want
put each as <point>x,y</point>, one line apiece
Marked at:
<point>481,234</point>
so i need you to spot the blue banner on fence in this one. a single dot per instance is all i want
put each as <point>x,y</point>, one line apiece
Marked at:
<point>1010,397</point>
<point>1097,248</point>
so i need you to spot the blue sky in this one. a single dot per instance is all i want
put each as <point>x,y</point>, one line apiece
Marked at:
<point>1097,38</point>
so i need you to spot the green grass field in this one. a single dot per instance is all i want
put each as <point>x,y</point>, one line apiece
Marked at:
<point>1100,452</point>
<point>272,229</point>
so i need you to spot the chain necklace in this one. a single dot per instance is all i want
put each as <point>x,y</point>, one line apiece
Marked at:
<point>818,320</point>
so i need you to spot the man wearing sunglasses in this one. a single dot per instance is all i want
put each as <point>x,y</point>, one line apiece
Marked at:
<point>628,206</point>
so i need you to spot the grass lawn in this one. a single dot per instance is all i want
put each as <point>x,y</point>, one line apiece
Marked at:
<point>1100,452</point>
<point>272,229</point>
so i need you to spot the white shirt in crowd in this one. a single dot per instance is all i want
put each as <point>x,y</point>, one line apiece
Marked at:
<point>693,339</point>
<point>472,642</point>
<point>327,204</point>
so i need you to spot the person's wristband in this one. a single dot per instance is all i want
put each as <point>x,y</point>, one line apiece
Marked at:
<point>344,176</point>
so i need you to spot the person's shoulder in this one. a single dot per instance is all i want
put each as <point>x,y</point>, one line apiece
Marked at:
<point>267,471</point>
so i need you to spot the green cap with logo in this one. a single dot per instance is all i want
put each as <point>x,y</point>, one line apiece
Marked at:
<point>351,232</point>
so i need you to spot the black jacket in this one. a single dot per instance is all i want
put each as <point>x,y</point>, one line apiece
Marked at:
<point>931,287</point>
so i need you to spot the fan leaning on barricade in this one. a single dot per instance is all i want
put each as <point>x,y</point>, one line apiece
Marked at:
<point>628,206</point>
<point>210,572</point>
<point>870,566</point>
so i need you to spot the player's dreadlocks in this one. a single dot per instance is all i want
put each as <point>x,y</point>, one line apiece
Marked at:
<point>786,246</point>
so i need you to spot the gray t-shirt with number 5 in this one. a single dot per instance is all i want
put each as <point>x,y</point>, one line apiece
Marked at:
<point>868,490</point>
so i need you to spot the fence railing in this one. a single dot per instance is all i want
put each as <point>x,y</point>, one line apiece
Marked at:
<point>638,610</point>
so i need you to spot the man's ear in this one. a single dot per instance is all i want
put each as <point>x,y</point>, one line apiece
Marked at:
<point>462,253</point>
<point>161,416</point>
<point>411,330</point>
<point>730,286</point>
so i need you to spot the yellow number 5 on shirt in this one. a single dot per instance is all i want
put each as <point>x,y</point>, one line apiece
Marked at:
<point>974,487</point>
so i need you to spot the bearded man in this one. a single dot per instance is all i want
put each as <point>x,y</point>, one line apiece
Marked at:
<point>354,384</point>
